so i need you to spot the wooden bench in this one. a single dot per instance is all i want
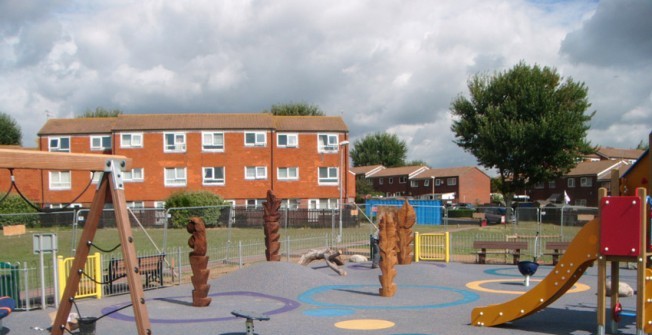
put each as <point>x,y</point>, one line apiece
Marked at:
<point>501,247</point>
<point>149,266</point>
<point>558,249</point>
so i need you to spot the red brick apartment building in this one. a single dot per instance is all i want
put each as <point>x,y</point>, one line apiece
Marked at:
<point>451,185</point>
<point>237,156</point>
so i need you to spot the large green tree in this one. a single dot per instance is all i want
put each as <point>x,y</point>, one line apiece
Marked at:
<point>528,123</point>
<point>379,148</point>
<point>10,133</point>
<point>100,112</point>
<point>294,109</point>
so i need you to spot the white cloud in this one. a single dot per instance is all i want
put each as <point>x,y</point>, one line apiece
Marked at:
<point>385,66</point>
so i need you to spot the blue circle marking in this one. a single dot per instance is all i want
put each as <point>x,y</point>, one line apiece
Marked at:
<point>327,312</point>
<point>308,297</point>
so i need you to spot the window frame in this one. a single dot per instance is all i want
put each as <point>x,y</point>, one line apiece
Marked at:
<point>328,147</point>
<point>212,147</point>
<point>128,176</point>
<point>402,179</point>
<point>256,170</point>
<point>175,147</point>
<point>288,169</point>
<point>570,182</point>
<point>101,138</point>
<point>586,182</point>
<point>130,144</point>
<point>414,183</point>
<point>288,136</point>
<point>451,181</point>
<point>214,181</point>
<point>58,146</point>
<point>256,142</point>
<point>182,181</point>
<point>59,185</point>
<point>329,180</point>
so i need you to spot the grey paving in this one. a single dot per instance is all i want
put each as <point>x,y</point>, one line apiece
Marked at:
<point>432,299</point>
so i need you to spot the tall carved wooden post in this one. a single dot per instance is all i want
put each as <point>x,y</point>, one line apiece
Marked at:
<point>387,244</point>
<point>199,262</point>
<point>406,219</point>
<point>271,227</point>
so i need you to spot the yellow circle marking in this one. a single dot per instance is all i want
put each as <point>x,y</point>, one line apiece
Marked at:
<point>364,324</point>
<point>477,285</point>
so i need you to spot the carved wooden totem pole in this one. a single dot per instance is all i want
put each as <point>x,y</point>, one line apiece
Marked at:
<point>406,219</point>
<point>271,227</point>
<point>198,262</point>
<point>387,245</point>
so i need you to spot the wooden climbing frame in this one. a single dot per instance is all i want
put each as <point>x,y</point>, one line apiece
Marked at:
<point>110,187</point>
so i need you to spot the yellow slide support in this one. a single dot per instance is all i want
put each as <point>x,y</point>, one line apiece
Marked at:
<point>581,253</point>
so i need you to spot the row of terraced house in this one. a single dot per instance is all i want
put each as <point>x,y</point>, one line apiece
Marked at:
<point>237,156</point>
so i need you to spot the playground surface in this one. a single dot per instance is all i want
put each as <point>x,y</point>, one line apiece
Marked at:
<point>431,299</point>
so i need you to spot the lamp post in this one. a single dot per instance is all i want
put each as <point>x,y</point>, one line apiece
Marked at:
<point>339,200</point>
<point>433,187</point>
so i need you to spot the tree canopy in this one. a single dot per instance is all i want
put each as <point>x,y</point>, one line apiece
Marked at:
<point>100,112</point>
<point>10,133</point>
<point>528,123</point>
<point>379,148</point>
<point>296,109</point>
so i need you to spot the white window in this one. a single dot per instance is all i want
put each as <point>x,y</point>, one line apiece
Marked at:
<point>586,182</point>
<point>539,185</point>
<point>159,204</point>
<point>402,179</point>
<point>380,181</point>
<point>59,144</point>
<point>328,176</point>
<point>97,175</point>
<point>397,194</point>
<point>287,140</point>
<point>438,182</point>
<point>327,142</point>
<point>255,139</point>
<point>451,181</point>
<point>135,204</point>
<point>174,142</point>
<point>288,173</point>
<point>254,203</point>
<point>390,180</point>
<point>414,183</point>
<point>131,140</point>
<point>570,182</point>
<point>213,175</point>
<point>60,180</point>
<point>62,206</point>
<point>426,182</point>
<point>101,142</point>
<point>552,184</point>
<point>255,172</point>
<point>212,141</point>
<point>322,204</point>
<point>175,176</point>
<point>134,175</point>
<point>290,203</point>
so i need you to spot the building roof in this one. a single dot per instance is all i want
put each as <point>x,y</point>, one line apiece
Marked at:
<point>366,170</point>
<point>618,154</point>
<point>96,125</point>
<point>446,172</point>
<point>597,168</point>
<point>409,171</point>
<point>152,122</point>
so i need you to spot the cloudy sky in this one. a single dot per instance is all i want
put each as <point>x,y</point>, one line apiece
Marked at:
<point>384,65</point>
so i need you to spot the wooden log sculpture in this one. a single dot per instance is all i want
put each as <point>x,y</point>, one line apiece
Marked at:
<point>406,219</point>
<point>198,262</point>
<point>388,245</point>
<point>332,259</point>
<point>271,227</point>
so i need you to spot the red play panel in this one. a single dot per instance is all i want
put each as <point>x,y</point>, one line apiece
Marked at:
<point>620,230</point>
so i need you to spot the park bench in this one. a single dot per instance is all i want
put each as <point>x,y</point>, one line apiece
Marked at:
<point>149,266</point>
<point>557,249</point>
<point>499,247</point>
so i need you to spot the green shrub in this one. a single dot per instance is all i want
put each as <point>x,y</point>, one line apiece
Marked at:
<point>16,211</point>
<point>460,213</point>
<point>209,207</point>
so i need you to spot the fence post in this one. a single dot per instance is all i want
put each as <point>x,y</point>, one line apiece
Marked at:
<point>98,275</point>
<point>287,247</point>
<point>239,254</point>
<point>61,272</point>
<point>179,265</point>
<point>447,246</point>
<point>417,247</point>
<point>27,297</point>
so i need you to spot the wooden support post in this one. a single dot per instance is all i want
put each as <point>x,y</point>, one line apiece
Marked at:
<point>641,294</point>
<point>602,280</point>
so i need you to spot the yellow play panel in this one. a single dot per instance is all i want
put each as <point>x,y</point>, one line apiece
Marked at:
<point>365,324</point>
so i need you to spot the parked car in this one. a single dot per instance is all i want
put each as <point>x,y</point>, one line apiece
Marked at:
<point>494,215</point>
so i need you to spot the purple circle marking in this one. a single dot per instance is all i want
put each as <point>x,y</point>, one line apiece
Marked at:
<point>288,305</point>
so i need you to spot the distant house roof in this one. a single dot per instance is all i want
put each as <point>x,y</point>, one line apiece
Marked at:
<point>601,169</point>
<point>366,170</point>
<point>409,171</point>
<point>618,154</point>
<point>446,172</point>
<point>148,122</point>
